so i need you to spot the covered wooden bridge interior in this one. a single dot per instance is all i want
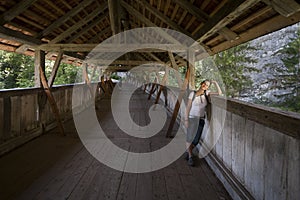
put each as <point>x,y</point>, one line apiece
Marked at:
<point>257,152</point>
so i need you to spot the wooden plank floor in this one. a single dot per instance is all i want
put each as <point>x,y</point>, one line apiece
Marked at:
<point>57,167</point>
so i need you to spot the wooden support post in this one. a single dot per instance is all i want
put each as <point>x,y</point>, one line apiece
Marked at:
<point>39,61</point>
<point>111,84</point>
<point>147,80</point>
<point>152,90</point>
<point>51,100</point>
<point>177,105</point>
<point>145,88</point>
<point>87,80</point>
<point>162,85</point>
<point>55,69</point>
<point>102,84</point>
<point>175,66</point>
<point>154,85</point>
<point>191,66</point>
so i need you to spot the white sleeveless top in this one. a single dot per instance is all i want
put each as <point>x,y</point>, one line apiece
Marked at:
<point>198,105</point>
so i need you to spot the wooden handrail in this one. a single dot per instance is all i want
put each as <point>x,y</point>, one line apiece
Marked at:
<point>282,121</point>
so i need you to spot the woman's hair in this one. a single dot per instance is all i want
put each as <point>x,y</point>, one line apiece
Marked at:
<point>206,80</point>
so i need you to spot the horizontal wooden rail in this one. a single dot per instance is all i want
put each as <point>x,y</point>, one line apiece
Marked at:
<point>282,121</point>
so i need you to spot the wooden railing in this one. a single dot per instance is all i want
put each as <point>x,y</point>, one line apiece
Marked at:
<point>26,113</point>
<point>256,149</point>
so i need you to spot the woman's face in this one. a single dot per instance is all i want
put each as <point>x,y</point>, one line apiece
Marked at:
<point>205,85</point>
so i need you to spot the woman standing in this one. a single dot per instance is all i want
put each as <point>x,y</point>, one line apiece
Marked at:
<point>195,115</point>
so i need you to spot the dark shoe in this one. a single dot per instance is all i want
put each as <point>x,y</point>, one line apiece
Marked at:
<point>186,155</point>
<point>190,162</point>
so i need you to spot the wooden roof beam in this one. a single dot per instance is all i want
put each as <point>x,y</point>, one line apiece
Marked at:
<point>113,47</point>
<point>87,28</point>
<point>198,13</point>
<point>228,34</point>
<point>231,10</point>
<point>15,11</point>
<point>163,18</point>
<point>95,38</point>
<point>284,7</point>
<point>123,62</point>
<point>147,22</point>
<point>17,36</point>
<point>252,17</point>
<point>273,24</point>
<point>114,17</point>
<point>79,24</point>
<point>64,18</point>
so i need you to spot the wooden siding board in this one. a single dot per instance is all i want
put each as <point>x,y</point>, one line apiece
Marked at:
<point>219,125</point>
<point>293,169</point>
<point>238,146</point>
<point>275,168</point>
<point>227,141</point>
<point>2,117</point>
<point>16,115</point>
<point>249,134</point>
<point>257,165</point>
<point>7,118</point>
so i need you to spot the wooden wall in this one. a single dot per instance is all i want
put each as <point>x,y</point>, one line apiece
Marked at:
<point>26,113</point>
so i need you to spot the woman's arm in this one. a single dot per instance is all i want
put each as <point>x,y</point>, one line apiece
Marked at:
<point>187,112</point>
<point>219,91</point>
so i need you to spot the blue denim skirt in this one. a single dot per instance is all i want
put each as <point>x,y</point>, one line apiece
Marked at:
<point>194,130</point>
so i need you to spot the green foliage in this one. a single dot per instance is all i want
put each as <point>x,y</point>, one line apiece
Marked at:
<point>67,74</point>
<point>234,69</point>
<point>16,70</point>
<point>115,76</point>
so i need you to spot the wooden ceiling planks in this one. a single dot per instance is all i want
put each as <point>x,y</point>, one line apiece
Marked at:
<point>217,24</point>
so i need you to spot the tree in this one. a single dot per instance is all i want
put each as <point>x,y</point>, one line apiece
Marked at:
<point>67,74</point>
<point>290,75</point>
<point>16,70</point>
<point>232,66</point>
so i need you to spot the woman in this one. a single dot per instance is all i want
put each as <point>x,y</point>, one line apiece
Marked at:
<point>195,116</point>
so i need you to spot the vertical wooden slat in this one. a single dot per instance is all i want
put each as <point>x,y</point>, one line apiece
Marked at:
<point>238,146</point>
<point>7,117</point>
<point>275,168</point>
<point>293,168</point>
<point>218,126</point>
<point>227,142</point>
<point>249,134</point>
<point>16,115</point>
<point>257,164</point>
<point>2,117</point>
